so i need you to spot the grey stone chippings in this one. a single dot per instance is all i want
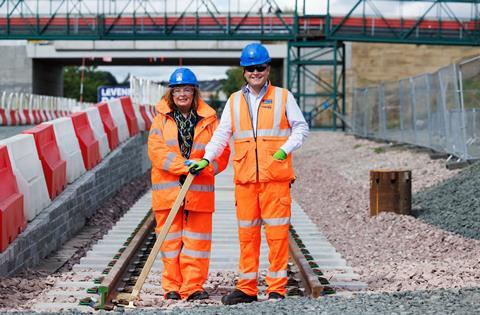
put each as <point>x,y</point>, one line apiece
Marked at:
<point>453,205</point>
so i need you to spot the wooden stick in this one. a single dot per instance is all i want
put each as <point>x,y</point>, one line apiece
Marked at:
<point>161,238</point>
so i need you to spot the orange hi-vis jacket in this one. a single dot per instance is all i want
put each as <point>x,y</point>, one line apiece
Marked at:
<point>253,158</point>
<point>168,162</point>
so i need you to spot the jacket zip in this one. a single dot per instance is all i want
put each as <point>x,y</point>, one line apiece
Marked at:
<point>255,130</point>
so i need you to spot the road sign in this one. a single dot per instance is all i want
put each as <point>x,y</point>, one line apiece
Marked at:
<point>105,93</point>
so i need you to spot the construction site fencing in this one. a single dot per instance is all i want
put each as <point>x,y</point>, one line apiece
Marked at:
<point>29,109</point>
<point>439,110</point>
<point>145,92</point>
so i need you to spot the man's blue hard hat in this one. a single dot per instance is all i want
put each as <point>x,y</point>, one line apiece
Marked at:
<point>182,76</point>
<point>254,54</point>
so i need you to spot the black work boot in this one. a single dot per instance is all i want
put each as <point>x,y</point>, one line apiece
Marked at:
<point>275,296</point>
<point>173,295</point>
<point>198,295</point>
<point>237,296</point>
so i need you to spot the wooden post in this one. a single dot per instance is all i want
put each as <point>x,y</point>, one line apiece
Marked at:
<point>390,191</point>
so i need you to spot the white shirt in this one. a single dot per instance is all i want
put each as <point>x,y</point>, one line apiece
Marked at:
<point>222,135</point>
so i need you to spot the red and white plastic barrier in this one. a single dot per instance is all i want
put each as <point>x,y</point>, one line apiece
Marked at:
<point>115,107</point>
<point>12,220</point>
<point>29,109</point>
<point>54,168</point>
<point>69,147</point>
<point>108,125</point>
<point>36,165</point>
<point>96,124</point>
<point>86,139</point>
<point>29,173</point>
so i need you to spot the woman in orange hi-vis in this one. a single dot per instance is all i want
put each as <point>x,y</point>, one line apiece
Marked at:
<point>183,126</point>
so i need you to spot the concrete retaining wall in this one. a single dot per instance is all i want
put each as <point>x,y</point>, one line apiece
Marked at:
<point>67,214</point>
<point>16,69</point>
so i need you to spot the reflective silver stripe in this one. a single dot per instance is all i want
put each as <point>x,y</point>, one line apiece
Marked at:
<point>277,114</point>
<point>202,188</point>
<point>198,146</point>
<point>249,223</point>
<point>173,235</point>
<point>155,131</point>
<point>215,167</point>
<point>277,117</point>
<point>170,254</point>
<point>273,132</point>
<point>170,157</point>
<point>166,185</point>
<point>196,253</point>
<point>248,275</point>
<point>171,142</point>
<point>242,134</point>
<point>198,236</point>
<point>277,274</point>
<point>236,114</point>
<point>277,221</point>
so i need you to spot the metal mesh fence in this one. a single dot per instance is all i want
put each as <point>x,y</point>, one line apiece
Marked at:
<point>438,110</point>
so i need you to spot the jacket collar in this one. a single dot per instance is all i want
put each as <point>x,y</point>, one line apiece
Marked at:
<point>203,110</point>
<point>246,89</point>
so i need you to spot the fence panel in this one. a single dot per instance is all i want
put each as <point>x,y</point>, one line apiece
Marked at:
<point>440,110</point>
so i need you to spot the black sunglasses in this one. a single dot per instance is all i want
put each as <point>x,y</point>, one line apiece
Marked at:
<point>259,68</point>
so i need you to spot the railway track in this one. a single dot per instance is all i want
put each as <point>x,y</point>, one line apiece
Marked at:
<point>114,263</point>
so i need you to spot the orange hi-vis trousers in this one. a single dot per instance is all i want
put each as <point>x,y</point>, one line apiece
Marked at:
<point>186,250</point>
<point>270,204</point>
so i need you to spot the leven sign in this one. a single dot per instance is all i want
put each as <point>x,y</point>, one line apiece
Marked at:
<point>105,93</point>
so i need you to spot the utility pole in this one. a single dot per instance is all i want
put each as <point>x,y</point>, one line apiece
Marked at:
<point>82,76</point>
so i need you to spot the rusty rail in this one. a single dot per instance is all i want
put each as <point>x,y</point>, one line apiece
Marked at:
<point>313,286</point>
<point>108,286</point>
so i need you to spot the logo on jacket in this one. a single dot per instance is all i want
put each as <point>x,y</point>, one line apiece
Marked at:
<point>266,104</point>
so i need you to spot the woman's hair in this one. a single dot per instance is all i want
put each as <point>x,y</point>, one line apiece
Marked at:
<point>168,96</point>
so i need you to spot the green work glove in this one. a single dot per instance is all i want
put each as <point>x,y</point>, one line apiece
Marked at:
<point>196,167</point>
<point>280,155</point>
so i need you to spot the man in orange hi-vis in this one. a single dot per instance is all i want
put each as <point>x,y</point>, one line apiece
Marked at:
<point>266,125</point>
<point>183,126</point>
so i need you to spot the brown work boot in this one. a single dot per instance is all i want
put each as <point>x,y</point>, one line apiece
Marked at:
<point>237,296</point>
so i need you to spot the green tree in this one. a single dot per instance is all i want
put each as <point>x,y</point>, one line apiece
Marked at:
<point>234,80</point>
<point>91,81</point>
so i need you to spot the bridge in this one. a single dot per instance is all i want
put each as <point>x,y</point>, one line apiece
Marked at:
<point>315,41</point>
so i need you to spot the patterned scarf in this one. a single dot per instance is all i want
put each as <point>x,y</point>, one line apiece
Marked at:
<point>186,126</point>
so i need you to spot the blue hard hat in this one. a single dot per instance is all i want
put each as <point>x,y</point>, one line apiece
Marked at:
<point>254,54</point>
<point>182,76</point>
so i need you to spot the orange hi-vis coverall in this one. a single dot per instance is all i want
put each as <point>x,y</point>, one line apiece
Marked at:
<point>262,190</point>
<point>186,250</point>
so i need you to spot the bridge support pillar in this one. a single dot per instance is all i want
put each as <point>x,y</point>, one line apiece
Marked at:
<point>47,78</point>
<point>316,77</point>
<point>16,69</point>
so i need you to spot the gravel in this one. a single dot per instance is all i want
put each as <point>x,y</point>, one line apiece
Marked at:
<point>390,252</point>
<point>110,212</point>
<point>427,263</point>
<point>453,205</point>
<point>444,301</point>
<point>20,291</point>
